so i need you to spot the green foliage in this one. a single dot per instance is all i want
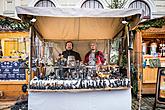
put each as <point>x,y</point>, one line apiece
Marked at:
<point>134,83</point>
<point>124,61</point>
<point>114,59</point>
<point>13,25</point>
<point>114,4</point>
<point>114,56</point>
<point>134,79</point>
<point>157,23</point>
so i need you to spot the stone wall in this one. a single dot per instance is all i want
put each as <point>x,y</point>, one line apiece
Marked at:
<point>6,8</point>
<point>160,8</point>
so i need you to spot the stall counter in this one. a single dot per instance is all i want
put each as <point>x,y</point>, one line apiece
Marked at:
<point>85,100</point>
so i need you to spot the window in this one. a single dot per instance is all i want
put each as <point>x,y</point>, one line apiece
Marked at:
<point>142,5</point>
<point>9,7</point>
<point>44,3</point>
<point>92,4</point>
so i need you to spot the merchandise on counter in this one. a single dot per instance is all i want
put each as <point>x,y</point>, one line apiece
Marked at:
<point>51,84</point>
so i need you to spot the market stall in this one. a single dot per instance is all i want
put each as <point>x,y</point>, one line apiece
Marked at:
<point>89,87</point>
<point>13,44</point>
<point>150,52</point>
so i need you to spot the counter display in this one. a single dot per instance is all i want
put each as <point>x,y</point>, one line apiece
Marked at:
<point>79,84</point>
<point>80,76</point>
<point>89,88</point>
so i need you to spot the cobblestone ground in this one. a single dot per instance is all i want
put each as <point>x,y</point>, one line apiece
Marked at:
<point>147,103</point>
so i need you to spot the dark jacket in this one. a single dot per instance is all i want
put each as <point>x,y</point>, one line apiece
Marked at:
<point>98,55</point>
<point>71,53</point>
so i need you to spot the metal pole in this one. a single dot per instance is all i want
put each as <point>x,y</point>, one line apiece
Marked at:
<point>127,34</point>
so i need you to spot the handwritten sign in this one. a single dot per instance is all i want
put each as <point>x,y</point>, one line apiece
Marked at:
<point>9,70</point>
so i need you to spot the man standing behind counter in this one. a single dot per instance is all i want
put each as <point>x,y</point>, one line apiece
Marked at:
<point>94,56</point>
<point>69,51</point>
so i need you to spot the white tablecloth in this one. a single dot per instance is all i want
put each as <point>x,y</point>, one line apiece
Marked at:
<point>95,100</point>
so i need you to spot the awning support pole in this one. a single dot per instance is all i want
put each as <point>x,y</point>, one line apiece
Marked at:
<point>30,55</point>
<point>129,62</point>
<point>108,59</point>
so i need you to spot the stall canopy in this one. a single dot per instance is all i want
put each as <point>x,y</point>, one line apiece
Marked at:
<point>78,23</point>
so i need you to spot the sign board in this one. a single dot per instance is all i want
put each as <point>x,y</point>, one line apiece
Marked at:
<point>160,87</point>
<point>9,70</point>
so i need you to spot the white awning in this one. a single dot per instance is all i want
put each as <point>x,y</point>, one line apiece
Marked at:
<point>78,23</point>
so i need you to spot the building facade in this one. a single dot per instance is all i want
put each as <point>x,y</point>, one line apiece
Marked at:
<point>151,8</point>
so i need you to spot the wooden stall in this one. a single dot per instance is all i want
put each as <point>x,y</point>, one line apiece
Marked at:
<point>81,26</point>
<point>150,54</point>
<point>13,50</point>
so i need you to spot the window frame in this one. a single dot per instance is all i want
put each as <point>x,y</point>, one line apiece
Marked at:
<point>141,2</point>
<point>95,1</point>
<point>47,2</point>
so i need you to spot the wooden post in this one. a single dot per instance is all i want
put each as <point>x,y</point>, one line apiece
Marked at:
<point>139,64</point>
<point>127,34</point>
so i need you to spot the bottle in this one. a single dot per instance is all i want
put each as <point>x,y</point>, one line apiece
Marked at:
<point>153,47</point>
<point>163,50</point>
<point>144,48</point>
<point>160,49</point>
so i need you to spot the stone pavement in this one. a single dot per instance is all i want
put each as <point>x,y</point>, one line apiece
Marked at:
<point>147,103</point>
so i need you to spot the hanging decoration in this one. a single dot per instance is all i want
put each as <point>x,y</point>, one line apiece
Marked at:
<point>8,24</point>
<point>156,23</point>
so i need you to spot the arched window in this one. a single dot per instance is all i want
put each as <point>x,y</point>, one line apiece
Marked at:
<point>44,3</point>
<point>142,5</point>
<point>92,4</point>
